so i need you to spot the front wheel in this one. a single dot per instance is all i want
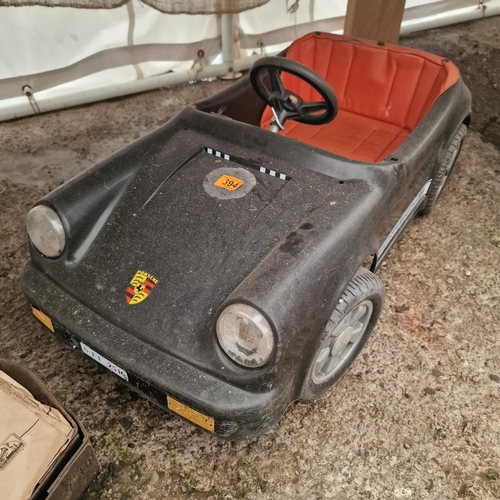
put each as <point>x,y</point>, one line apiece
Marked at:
<point>444,170</point>
<point>345,334</point>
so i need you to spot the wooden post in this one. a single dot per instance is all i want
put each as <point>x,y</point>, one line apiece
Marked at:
<point>378,20</point>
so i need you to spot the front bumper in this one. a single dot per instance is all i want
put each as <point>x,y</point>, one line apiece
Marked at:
<point>174,385</point>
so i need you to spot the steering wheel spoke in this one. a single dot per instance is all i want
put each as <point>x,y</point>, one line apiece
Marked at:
<point>275,82</point>
<point>314,107</point>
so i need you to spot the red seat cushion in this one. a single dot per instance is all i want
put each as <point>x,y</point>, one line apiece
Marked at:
<point>383,92</point>
<point>351,135</point>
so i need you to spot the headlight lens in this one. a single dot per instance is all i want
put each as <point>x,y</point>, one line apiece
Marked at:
<point>46,231</point>
<point>245,335</point>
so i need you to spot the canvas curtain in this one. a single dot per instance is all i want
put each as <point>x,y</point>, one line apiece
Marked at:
<point>166,6</point>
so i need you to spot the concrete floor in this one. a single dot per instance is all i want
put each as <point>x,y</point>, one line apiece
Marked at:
<point>417,416</point>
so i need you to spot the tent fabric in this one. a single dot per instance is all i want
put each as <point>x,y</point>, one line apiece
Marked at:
<point>203,7</point>
<point>79,4</point>
<point>61,51</point>
<point>165,6</point>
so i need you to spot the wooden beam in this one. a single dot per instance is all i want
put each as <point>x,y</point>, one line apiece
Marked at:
<point>378,20</point>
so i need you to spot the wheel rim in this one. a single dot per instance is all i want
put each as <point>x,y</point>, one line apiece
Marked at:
<point>335,351</point>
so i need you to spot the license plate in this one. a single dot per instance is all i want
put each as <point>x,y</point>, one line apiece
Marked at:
<point>104,362</point>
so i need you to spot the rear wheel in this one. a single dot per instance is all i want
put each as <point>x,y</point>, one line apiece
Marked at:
<point>444,170</point>
<point>345,334</point>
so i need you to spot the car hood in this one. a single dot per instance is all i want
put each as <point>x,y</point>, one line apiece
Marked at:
<point>191,242</point>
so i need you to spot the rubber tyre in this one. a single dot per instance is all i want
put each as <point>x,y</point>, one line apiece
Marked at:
<point>364,286</point>
<point>444,171</point>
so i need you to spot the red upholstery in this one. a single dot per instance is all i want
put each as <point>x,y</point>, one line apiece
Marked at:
<point>383,92</point>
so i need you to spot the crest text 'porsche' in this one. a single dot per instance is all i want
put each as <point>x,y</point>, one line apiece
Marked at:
<point>140,287</point>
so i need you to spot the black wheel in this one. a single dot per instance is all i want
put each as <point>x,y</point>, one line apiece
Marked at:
<point>444,170</point>
<point>345,334</point>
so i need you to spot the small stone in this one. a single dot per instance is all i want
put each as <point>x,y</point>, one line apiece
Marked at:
<point>492,474</point>
<point>154,477</point>
<point>495,378</point>
<point>429,391</point>
<point>465,491</point>
<point>467,273</point>
<point>437,373</point>
<point>125,422</point>
<point>116,470</point>
<point>450,281</point>
<point>401,308</point>
<point>242,453</point>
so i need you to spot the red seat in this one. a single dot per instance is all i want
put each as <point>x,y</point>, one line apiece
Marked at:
<point>383,92</point>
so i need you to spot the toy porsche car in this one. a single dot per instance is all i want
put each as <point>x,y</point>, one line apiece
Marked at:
<point>216,264</point>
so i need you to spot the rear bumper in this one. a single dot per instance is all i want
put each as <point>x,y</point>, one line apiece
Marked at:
<point>204,400</point>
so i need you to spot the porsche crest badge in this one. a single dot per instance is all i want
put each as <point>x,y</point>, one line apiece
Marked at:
<point>140,287</point>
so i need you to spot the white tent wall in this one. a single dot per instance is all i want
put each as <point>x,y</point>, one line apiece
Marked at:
<point>43,47</point>
<point>68,56</point>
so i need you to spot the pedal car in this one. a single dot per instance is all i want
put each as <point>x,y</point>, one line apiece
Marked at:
<point>216,264</point>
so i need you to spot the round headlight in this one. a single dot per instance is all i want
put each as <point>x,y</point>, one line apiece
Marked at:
<point>46,231</point>
<point>245,335</point>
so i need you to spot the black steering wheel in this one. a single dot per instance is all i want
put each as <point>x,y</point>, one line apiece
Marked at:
<point>287,105</point>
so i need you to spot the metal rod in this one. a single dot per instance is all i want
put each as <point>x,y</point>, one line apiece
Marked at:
<point>227,39</point>
<point>454,17</point>
<point>77,98</point>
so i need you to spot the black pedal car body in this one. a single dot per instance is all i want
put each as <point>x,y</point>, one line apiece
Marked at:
<point>216,266</point>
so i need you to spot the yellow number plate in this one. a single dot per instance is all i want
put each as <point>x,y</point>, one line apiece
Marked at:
<point>188,413</point>
<point>43,318</point>
<point>228,182</point>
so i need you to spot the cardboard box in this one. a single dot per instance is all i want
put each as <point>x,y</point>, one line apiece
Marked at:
<point>69,475</point>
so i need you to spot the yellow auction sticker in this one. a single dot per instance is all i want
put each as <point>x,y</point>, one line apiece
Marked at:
<point>228,182</point>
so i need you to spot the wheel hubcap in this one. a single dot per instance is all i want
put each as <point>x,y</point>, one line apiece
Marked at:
<point>335,351</point>
<point>341,342</point>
